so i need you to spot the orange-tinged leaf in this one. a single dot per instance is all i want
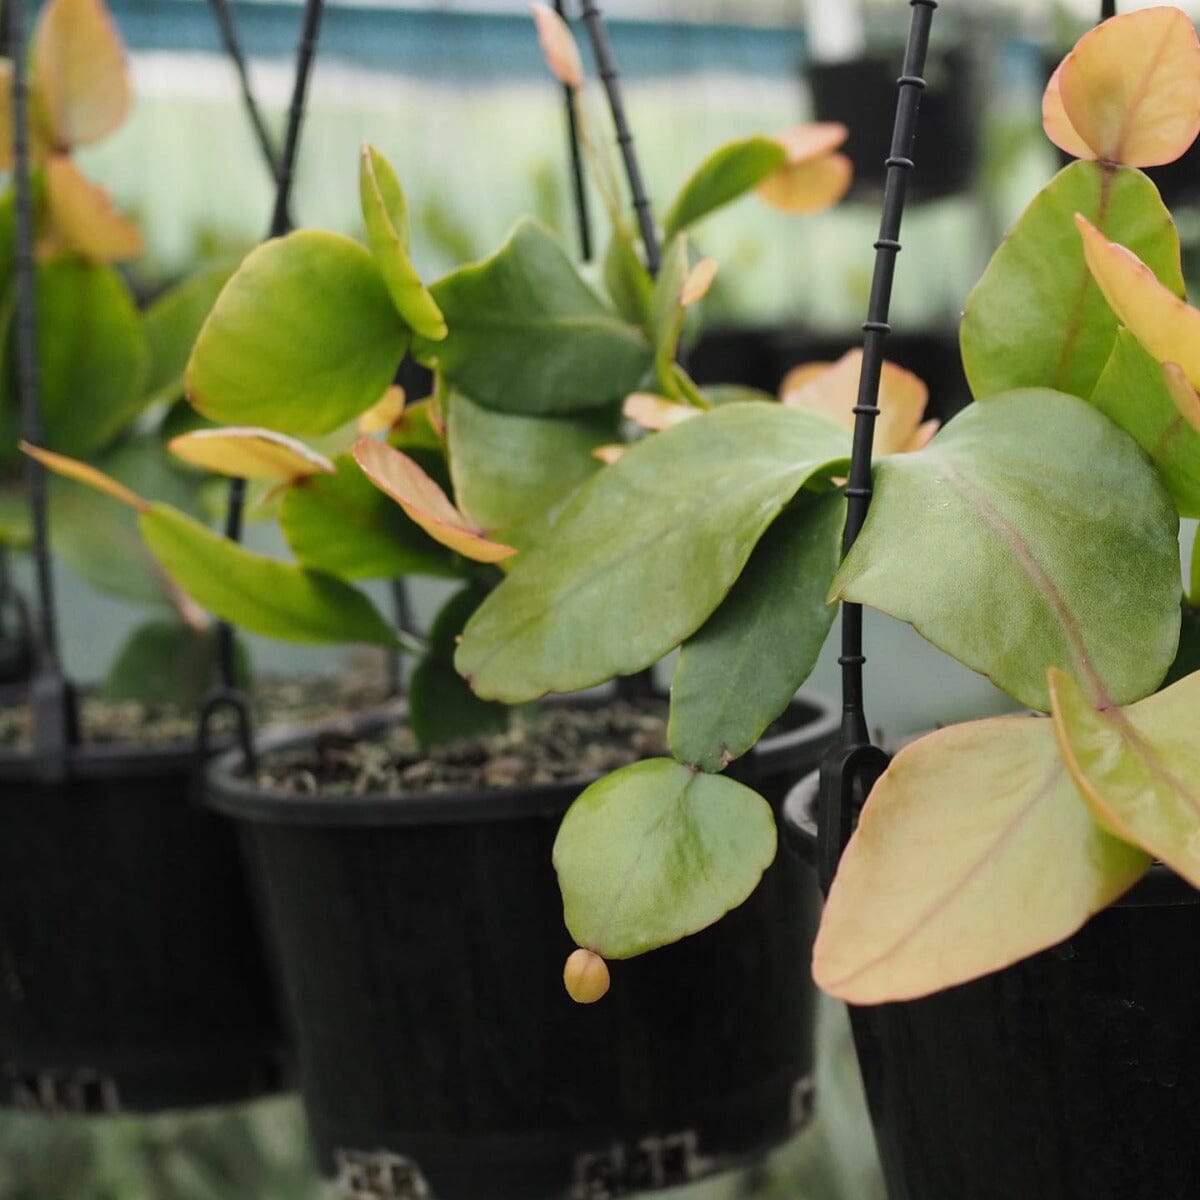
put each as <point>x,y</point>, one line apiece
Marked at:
<point>610,453</point>
<point>81,472</point>
<point>1185,396</point>
<point>656,412</point>
<point>425,503</point>
<point>808,186</point>
<point>558,46</point>
<point>80,76</point>
<point>1168,327</point>
<point>383,416</point>
<point>699,280</point>
<point>797,377</point>
<point>1131,87</point>
<point>82,216</point>
<point>244,452</point>
<point>922,437</point>
<point>1138,768</point>
<point>1058,125</point>
<point>833,392</point>
<point>974,851</point>
<point>805,142</point>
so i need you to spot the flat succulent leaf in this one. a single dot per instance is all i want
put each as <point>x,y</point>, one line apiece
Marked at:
<point>626,279</point>
<point>739,672</point>
<point>1036,318</point>
<point>728,173</point>
<point>172,324</point>
<point>258,594</point>
<point>303,338</point>
<point>1056,122</point>
<point>657,851</point>
<point>1131,87</point>
<point>1138,768</point>
<point>385,212</point>
<point>666,305</point>
<point>92,356</point>
<point>718,394</point>
<point>644,552</point>
<point>1163,321</point>
<point>82,217</point>
<point>97,536</point>
<point>244,452</point>
<point>385,414</point>
<point>990,542</point>
<point>168,662</point>
<point>974,851</point>
<point>344,525</point>
<point>82,90</point>
<point>1185,397</point>
<point>1134,393</point>
<point>510,470</point>
<point>422,499</point>
<point>441,707</point>
<point>528,336</point>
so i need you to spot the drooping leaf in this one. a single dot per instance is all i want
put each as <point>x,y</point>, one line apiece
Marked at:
<point>1138,768</point>
<point>1165,324</point>
<point>82,217</point>
<point>386,214</point>
<point>81,81</point>
<point>344,525</point>
<point>172,324</point>
<point>85,473</point>
<point>992,543</point>
<point>528,336</point>
<point>92,356</point>
<point>1133,392</point>
<point>808,187</point>
<point>303,338</point>
<point>644,553</point>
<point>167,662</point>
<point>510,470</point>
<point>974,851</point>
<point>441,707</point>
<point>258,594</point>
<point>1130,89</point>
<point>1036,319</point>
<point>97,536</point>
<point>657,851</point>
<point>740,671</point>
<point>402,478</point>
<point>728,173</point>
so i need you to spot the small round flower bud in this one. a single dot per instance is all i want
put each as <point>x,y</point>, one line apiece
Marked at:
<point>586,977</point>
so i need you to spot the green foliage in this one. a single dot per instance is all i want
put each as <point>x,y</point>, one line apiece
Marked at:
<point>728,173</point>
<point>1036,318</point>
<point>993,540</point>
<point>657,851</point>
<point>258,594</point>
<point>167,662</point>
<point>529,337</point>
<point>739,672</point>
<point>304,338</point>
<point>341,524</point>
<point>642,555</point>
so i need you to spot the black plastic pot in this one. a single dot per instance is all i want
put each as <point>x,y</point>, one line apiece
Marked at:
<point>861,93</point>
<point>1074,1075</point>
<point>421,942</point>
<point>131,974</point>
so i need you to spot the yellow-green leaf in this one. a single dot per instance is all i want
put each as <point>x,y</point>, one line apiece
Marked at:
<point>974,851</point>
<point>244,452</point>
<point>82,218</point>
<point>386,214</point>
<point>1138,768</point>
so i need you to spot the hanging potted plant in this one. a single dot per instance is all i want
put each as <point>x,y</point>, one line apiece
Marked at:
<point>403,868</point>
<point>1014,914</point>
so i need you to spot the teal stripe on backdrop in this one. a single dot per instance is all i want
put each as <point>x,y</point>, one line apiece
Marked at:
<point>478,46</point>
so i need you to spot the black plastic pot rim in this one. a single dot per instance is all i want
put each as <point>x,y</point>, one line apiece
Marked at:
<point>230,792</point>
<point>104,760</point>
<point>1160,887</point>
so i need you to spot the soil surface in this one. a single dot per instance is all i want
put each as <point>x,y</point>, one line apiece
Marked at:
<point>275,702</point>
<point>548,744</point>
